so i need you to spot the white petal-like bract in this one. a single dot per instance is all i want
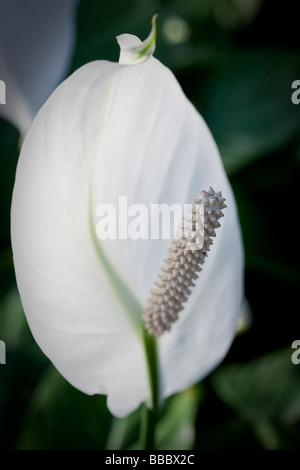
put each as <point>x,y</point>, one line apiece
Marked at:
<point>36,42</point>
<point>111,130</point>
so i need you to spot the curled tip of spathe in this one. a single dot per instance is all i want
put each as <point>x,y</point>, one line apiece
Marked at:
<point>133,51</point>
<point>153,21</point>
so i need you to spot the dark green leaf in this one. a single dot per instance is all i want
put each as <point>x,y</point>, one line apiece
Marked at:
<point>176,428</point>
<point>268,387</point>
<point>248,105</point>
<point>61,417</point>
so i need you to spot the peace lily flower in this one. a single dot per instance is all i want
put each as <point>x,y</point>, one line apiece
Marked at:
<point>119,129</point>
<point>36,42</point>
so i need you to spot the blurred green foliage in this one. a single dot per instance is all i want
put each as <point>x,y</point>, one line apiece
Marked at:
<point>236,66</point>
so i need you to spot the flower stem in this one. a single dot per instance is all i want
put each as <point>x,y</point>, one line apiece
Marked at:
<point>151,414</point>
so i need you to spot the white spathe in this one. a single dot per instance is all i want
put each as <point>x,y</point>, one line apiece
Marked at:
<point>36,43</point>
<point>111,130</point>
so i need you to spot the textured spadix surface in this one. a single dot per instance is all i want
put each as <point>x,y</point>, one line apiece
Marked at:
<point>182,267</point>
<point>111,130</point>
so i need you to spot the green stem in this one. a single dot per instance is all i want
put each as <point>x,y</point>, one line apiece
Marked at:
<point>151,414</point>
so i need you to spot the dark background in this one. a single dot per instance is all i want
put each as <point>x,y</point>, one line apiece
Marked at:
<point>236,61</point>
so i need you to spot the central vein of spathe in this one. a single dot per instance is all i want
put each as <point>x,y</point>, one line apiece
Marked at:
<point>129,302</point>
<point>134,310</point>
